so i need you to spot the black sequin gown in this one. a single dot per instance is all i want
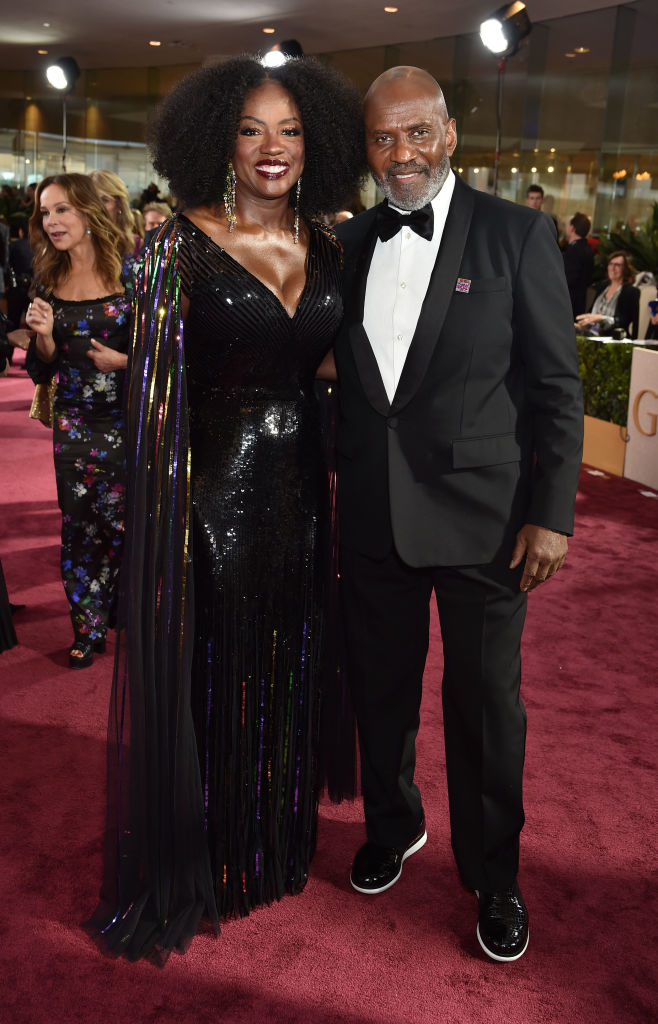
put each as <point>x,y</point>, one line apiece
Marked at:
<point>259,511</point>
<point>214,733</point>
<point>214,758</point>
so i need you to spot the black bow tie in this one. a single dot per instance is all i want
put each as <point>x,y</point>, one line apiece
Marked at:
<point>390,221</point>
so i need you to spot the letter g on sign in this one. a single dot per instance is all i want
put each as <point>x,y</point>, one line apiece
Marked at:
<point>652,416</point>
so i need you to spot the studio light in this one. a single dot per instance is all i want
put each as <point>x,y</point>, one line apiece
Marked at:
<point>274,59</point>
<point>503,31</point>
<point>289,49</point>
<point>502,34</point>
<point>63,74</point>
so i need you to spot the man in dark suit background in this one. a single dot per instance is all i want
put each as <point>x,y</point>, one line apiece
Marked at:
<point>534,197</point>
<point>459,448</point>
<point>578,261</point>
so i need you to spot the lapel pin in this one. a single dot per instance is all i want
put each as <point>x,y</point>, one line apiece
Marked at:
<point>463,284</point>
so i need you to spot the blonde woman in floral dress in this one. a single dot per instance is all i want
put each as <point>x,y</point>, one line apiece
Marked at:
<point>80,316</point>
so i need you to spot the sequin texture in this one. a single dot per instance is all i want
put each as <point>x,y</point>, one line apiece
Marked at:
<point>213,738</point>
<point>258,510</point>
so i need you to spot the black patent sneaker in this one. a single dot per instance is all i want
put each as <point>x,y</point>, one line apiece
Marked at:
<point>376,868</point>
<point>502,929</point>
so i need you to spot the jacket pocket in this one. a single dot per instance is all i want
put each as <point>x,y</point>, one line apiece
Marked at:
<point>494,450</point>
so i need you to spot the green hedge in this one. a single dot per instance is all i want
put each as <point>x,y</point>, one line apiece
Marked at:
<point>605,371</point>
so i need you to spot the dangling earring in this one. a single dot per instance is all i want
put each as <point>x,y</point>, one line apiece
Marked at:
<point>229,197</point>
<point>298,192</point>
<point>88,231</point>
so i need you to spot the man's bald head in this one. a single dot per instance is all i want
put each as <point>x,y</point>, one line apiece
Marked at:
<point>407,80</point>
<point>409,137</point>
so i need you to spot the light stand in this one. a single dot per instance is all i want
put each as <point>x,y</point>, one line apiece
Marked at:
<point>502,63</point>
<point>63,75</point>
<point>63,133</point>
<point>502,33</point>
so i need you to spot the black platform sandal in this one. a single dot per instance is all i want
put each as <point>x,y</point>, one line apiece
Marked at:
<point>84,654</point>
<point>87,649</point>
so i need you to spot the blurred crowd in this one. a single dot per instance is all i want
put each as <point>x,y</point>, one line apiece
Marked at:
<point>610,297</point>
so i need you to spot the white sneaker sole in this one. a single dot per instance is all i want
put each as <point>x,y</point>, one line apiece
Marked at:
<point>407,853</point>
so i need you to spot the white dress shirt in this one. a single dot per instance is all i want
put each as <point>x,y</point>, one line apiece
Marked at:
<point>398,279</point>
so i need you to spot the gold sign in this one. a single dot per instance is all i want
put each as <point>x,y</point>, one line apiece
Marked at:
<point>652,416</point>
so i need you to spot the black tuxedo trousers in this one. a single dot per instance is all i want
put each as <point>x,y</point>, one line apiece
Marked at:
<point>481,611</point>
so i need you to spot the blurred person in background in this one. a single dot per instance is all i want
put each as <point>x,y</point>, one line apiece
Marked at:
<point>11,337</point>
<point>578,261</point>
<point>28,199</point>
<point>81,316</point>
<point>617,305</point>
<point>8,637</point>
<point>651,333</point>
<point>20,273</point>
<point>149,195</point>
<point>138,221</point>
<point>534,197</point>
<point>116,199</point>
<point>155,214</point>
<point>4,255</point>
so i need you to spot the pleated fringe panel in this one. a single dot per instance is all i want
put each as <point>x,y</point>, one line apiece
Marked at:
<point>256,707</point>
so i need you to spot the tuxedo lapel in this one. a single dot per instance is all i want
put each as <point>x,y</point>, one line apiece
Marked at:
<point>438,297</point>
<point>364,357</point>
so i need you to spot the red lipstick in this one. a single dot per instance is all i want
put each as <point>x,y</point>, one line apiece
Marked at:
<point>272,169</point>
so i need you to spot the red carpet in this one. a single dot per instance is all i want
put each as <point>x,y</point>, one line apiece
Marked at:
<point>409,956</point>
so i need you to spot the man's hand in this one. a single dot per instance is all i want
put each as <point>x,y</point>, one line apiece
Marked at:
<point>545,552</point>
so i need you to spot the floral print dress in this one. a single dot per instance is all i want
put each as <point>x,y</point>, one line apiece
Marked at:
<point>88,455</point>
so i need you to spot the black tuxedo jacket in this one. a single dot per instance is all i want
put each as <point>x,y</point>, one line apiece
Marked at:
<point>485,429</point>
<point>578,267</point>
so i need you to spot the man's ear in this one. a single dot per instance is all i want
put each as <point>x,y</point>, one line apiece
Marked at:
<point>451,136</point>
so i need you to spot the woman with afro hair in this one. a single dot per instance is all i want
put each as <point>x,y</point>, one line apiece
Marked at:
<point>215,764</point>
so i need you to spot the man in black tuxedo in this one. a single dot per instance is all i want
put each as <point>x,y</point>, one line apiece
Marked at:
<point>578,262</point>
<point>459,448</point>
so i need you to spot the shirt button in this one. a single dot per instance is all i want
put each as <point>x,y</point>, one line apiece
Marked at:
<point>402,284</point>
<point>399,337</point>
<point>407,234</point>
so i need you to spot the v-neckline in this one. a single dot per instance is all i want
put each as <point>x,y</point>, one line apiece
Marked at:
<point>244,269</point>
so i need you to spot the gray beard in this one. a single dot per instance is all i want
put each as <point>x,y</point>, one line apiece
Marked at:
<point>433,186</point>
